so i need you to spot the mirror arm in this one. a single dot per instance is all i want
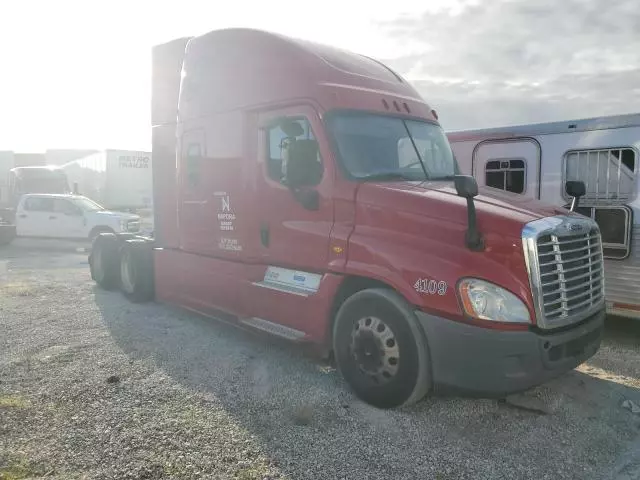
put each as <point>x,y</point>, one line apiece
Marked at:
<point>473,238</point>
<point>574,204</point>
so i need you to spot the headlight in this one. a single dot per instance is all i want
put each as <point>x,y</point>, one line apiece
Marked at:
<point>487,301</point>
<point>123,225</point>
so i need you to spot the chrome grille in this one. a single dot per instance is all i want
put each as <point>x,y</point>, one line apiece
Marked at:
<point>566,269</point>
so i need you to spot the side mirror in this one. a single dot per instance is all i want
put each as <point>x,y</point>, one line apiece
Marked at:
<point>466,186</point>
<point>575,189</point>
<point>302,168</point>
<point>291,128</point>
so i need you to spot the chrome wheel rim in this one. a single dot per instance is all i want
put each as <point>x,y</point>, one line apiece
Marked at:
<point>374,349</point>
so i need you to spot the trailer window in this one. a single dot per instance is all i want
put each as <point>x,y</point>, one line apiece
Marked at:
<point>615,227</point>
<point>506,174</point>
<point>278,141</point>
<point>609,174</point>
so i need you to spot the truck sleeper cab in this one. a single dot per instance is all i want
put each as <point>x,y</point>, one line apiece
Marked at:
<point>311,193</point>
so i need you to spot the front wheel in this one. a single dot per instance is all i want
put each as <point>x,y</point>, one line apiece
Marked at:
<point>381,350</point>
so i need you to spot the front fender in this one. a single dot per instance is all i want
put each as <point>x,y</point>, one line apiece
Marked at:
<point>426,270</point>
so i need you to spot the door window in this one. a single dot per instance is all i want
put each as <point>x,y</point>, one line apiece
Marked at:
<point>65,207</point>
<point>286,135</point>
<point>508,175</point>
<point>39,204</point>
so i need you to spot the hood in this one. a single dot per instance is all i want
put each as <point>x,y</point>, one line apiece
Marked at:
<point>496,212</point>
<point>415,232</point>
<point>118,215</point>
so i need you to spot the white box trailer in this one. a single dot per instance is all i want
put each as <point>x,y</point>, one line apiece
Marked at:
<point>117,179</point>
<point>536,160</point>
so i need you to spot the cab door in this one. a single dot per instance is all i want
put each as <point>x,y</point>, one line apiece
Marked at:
<point>34,217</point>
<point>194,195</point>
<point>67,220</point>
<point>215,205</point>
<point>292,230</point>
<point>511,165</point>
<point>293,234</point>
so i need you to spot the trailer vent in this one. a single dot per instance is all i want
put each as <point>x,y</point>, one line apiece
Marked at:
<point>608,174</point>
<point>565,261</point>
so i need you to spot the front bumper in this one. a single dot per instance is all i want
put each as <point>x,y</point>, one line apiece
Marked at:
<point>484,362</point>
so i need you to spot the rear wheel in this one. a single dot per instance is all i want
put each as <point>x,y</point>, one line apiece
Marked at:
<point>104,261</point>
<point>97,231</point>
<point>381,350</point>
<point>136,270</point>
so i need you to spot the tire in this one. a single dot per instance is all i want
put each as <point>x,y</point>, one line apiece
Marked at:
<point>97,231</point>
<point>104,261</point>
<point>136,270</point>
<point>381,350</point>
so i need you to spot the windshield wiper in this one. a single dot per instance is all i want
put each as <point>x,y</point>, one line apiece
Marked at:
<point>392,175</point>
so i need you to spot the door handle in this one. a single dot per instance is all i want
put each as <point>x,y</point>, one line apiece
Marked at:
<point>23,215</point>
<point>52,217</point>
<point>264,234</point>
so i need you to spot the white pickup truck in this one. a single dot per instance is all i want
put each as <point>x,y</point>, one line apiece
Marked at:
<point>69,217</point>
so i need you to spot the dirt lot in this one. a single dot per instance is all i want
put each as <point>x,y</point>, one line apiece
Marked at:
<point>92,386</point>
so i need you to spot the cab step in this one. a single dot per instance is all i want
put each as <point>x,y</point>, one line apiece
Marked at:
<point>273,328</point>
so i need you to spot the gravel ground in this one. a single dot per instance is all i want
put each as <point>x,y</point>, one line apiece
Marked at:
<point>92,386</point>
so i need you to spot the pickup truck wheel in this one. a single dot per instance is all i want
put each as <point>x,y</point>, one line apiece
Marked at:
<point>136,270</point>
<point>104,261</point>
<point>381,350</point>
<point>97,231</point>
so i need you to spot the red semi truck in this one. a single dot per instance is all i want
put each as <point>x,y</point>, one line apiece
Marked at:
<point>310,193</point>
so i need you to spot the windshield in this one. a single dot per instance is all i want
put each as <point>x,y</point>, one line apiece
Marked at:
<point>87,205</point>
<point>372,146</point>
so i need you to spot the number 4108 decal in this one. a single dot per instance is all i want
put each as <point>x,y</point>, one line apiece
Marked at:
<point>431,287</point>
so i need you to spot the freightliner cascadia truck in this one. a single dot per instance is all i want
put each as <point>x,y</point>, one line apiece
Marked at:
<point>311,193</point>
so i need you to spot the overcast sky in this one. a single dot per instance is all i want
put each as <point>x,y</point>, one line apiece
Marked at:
<point>76,73</point>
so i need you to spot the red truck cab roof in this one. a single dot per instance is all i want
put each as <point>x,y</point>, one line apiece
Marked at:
<point>242,68</point>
